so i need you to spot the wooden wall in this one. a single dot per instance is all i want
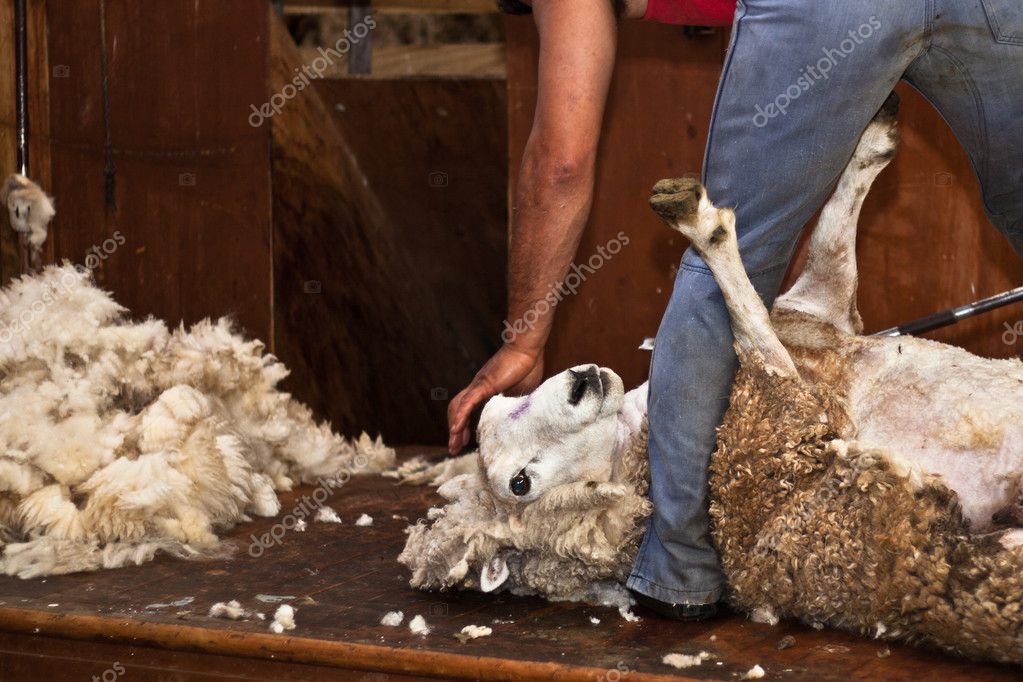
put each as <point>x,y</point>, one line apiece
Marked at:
<point>924,242</point>
<point>171,165</point>
<point>9,260</point>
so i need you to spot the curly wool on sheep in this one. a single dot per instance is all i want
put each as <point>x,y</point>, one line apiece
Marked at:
<point>812,526</point>
<point>119,439</point>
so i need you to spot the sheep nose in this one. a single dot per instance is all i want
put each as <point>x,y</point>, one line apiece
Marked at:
<point>583,381</point>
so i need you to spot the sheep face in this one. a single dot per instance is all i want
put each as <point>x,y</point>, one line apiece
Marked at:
<point>564,431</point>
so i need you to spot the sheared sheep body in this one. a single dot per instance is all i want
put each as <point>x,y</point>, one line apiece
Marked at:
<point>119,439</point>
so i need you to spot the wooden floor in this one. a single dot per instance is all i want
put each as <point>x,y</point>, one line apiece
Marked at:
<point>343,578</point>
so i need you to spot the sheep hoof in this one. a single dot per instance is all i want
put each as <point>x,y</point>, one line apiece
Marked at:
<point>677,200</point>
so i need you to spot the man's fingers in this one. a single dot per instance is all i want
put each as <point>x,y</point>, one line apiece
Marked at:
<point>461,408</point>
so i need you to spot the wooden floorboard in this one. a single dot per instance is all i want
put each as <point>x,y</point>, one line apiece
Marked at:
<point>342,578</point>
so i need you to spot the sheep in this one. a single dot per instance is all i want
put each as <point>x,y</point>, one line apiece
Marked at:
<point>862,483</point>
<point>119,439</point>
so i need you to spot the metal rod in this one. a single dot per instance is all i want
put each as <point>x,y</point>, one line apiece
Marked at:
<point>21,84</point>
<point>360,55</point>
<point>953,315</point>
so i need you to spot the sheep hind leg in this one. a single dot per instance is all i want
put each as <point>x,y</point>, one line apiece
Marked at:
<point>683,205</point>
<point>826,289</point>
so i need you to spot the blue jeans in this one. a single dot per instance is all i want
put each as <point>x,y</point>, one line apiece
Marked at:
<point>801,81</point>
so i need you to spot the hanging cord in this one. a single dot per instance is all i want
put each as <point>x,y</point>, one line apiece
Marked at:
<point>21,112</point>
<point>21,67</point>
<point>109,170</point>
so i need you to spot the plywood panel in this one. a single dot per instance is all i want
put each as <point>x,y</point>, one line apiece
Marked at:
<point>442,181</point>
<point>655,127</point>
<point>378,211</point>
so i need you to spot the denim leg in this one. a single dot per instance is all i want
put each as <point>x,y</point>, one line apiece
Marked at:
<point>972,71</point>
<point>690,381</point>
<point>781,133</point>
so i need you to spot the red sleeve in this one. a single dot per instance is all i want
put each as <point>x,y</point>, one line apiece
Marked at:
<point>691,12</point>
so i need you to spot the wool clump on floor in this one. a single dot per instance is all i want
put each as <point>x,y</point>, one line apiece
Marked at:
<point>231,610</point>
<point>473,632</point>
<point>121,438</point>
<point>284,619</point>
<point>327,515</point>
<point>686,660</point>
<point>754,673</point>
<point>418,626</point>
<point>392,619</point>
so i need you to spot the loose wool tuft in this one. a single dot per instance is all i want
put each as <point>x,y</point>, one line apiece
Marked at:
<point>119,439</point>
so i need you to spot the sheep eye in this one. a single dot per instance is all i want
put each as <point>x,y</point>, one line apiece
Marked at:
<point>520,484</point>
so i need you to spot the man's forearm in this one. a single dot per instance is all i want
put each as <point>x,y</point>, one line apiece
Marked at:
<point>556,179</point>
<point>551,208</point>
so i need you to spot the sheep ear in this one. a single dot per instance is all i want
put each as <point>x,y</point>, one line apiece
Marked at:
<point>494,574</point>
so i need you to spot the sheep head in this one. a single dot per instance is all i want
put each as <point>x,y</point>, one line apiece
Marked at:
<point>556,503</point>
<point>564,431</point>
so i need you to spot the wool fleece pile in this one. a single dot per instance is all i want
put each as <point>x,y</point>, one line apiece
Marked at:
<point>119,439</point>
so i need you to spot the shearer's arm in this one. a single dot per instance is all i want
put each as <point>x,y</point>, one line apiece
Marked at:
<point>555,190</point>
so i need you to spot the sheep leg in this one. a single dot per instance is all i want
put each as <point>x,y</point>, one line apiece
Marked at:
<point>826,289</point>
<point>683,205</point>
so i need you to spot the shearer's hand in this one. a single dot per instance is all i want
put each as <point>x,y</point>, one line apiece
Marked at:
<point>512,370</point>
